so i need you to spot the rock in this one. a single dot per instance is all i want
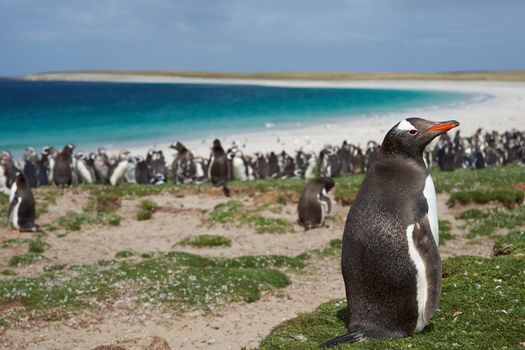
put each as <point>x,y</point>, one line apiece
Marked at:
<point>145,343</point>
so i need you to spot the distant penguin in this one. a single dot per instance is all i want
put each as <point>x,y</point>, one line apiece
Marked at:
<point>358,162</point>
<point>42,167</point>
<point>22,206</point>
<point>30,167</point>
<point>260,166</point>
<point>311,166</point>
<point>390,259</point>
<point>120,170</point>
<point>183,168</point>
<point>62,172</point>
<point>102,166</point>
<point>314,203</point>
<point>273,165</point>
<point>82,169</point>
<point>239,168</point>
<point>141,171</point>
<point>218,167</point>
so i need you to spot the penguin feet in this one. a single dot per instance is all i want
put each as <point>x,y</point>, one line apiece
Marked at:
<point>353,336</point>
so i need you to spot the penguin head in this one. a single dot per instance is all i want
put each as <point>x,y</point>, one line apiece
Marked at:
<point>410,136</point>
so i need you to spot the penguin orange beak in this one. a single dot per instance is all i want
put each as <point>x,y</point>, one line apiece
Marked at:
<point>444,126</point>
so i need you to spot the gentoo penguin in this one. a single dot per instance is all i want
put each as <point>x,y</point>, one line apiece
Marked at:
<point>239,167</point>
<point>314,203</point>
<point>183,168</point>
<point>30,167</point>
<point>62,175</point>
<point>358,161</point>
<point>390,259</point>
<point>273,165</point>
<point>120,170</point>
<point>102,166</point>
<point>141,171</point>
<point>311,166</point>
<point>22,206</point>
<point>260,166</point>
<point>82,169</point>
<point>218,167</point>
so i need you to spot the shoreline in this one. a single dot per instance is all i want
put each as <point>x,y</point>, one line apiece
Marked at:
<point>501,107</point>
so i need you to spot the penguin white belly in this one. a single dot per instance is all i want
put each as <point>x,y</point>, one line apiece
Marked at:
<point>212,159</point>
<point>3,182</point>
<point>324,205</point>
<point>239,169</point>
<point>12,192</point>
<point>119,172</point>
<point>84,172</point>
<point>430,194</point>
<point>199,173</point>
<point>15,214</point>
<point>421,279</point>
<point>309,173</point>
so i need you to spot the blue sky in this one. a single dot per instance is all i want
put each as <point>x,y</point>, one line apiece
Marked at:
<point>261,35</point>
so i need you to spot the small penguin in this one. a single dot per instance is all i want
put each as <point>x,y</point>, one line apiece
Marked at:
<point>273,165</point>
<point>141,171</point>
<point>390,259</point>
<point>82,169</point>
<point>102,166</point>
<point>62,172</point>
<point>120,170</point>
<point>218,167</point>
<point>30,167</point>
<point>22,206</point>
<point>314,203</point>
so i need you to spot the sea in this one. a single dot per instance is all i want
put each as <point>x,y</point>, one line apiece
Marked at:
<point>94,114</point>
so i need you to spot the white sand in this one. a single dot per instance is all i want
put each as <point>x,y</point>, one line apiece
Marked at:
<point>500,106</point>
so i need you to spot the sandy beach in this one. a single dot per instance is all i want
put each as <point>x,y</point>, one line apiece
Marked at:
<point>496,105</point>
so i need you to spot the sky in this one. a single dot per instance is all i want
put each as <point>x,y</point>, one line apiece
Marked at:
<point>261,35</point>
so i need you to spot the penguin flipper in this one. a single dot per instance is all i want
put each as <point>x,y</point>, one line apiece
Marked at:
<point>11,207</point>
<point>350,337</point>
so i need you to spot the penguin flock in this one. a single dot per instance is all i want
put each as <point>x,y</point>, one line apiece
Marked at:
<point>65,167</point>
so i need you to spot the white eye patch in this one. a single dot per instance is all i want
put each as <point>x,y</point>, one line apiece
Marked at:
<point>405,126</point>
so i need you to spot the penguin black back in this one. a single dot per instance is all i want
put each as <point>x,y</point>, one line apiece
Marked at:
<point>22,206</point>
<point>62,175</point>
<point>218,167</point>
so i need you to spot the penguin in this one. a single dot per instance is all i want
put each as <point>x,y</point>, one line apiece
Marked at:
<point>314,203</point>
<point>22,206</point>
<point>62,175</point>
<point>239,168</point>
<point>141,171</point>
<point>121,168</point>
<point>358,161</point>
<point>82,169</point>
<point>260,166</point>
<point>42,167</point>
<point>102,166</point>
<point>218,167</point>
<point>273,165</point>
<point>30,167</point>
<point>345,156</point>
<point>183,168</point>
<point>311,166</point>
<point>390,260</point>
<point>200,170</point>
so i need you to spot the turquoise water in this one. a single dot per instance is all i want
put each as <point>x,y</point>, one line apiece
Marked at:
<point>103,114</point>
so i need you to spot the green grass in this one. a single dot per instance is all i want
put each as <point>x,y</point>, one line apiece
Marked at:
<point>26,259</point>
<point>201,241</point>
<point>485,222</point>
<point>235,212</point>
<point>37,245</point>
<point>13,241</point>
<point>512,243</point>
<point>146,209</point>
<point>481,179</point>
<point>178,280</point>
<point>509,197</point>
<point>444,231</point>
<point>481,308</point>
<point>74,221</point>
<point>124,254</point>
<point>7,272</point>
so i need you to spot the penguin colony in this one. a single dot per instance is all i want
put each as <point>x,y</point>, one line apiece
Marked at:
<point>66,167</point>
<point>390,259</point>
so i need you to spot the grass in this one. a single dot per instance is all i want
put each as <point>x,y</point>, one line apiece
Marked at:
<point>444,231</point>
<point>38,245</point>
<point>7,272</point>
<point>481,308</point>
<point>480,179</point>
<point>201,241</point>
<point>485,222</point>
<point>13,241</point>
<point>74,221</point>
<point>26,259</point>
<point>512,243</point>
<point>124,254</point>
<point>235,212</point>
<point>146,209</point>
<point>178,280</point>
<point>509,197</point>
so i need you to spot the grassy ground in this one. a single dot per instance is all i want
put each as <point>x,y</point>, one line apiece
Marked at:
<point>481,308</point>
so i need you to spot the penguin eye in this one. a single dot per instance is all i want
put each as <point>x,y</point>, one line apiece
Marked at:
<point>412,131</point>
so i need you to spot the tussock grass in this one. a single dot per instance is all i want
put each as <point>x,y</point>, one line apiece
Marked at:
<point>235,212</point>
<point>26,259</point>
<point>509,197</point>
<point>481,308</point>
<point>510,244</point>
<point>486,222</point>
<point>444,231</point>
<point>206,241</point>
<point>146,209</point>
<point>38,245</point>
